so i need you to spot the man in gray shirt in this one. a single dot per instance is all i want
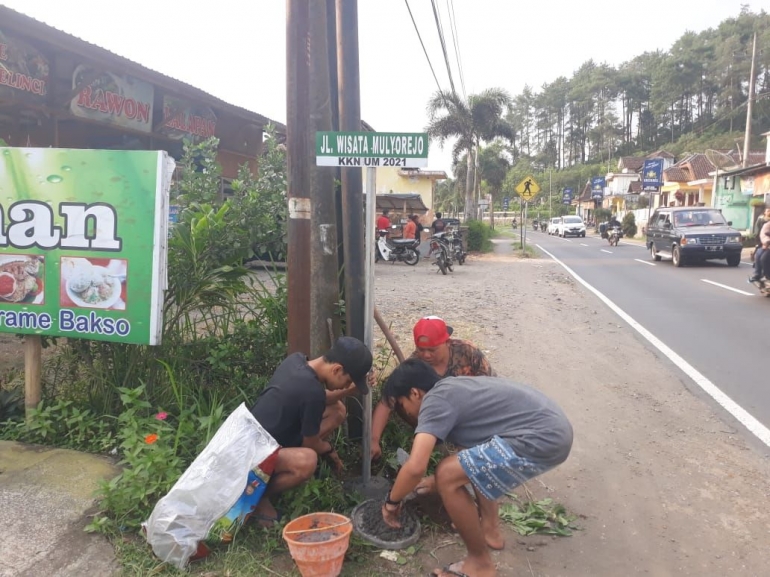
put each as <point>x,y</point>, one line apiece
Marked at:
<point>509,432</point>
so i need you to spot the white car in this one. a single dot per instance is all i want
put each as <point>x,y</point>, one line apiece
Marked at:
<point>571,226</point>
<point>553,225</point>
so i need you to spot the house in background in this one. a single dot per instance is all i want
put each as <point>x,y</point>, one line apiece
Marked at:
<point>743,193</point>
<point>394,180</point>
<point>624,187</point>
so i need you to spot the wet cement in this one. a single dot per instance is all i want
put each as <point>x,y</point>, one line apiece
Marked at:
<point>372,523</point>
<point>316,536</point>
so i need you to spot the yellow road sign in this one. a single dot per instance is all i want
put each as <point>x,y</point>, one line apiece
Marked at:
<point>528,188</point>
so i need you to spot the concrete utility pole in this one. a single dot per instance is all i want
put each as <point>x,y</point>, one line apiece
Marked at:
<point>324,286</point>
<point>299,160</point>
<point>749,107</point>
<point>348,85</point>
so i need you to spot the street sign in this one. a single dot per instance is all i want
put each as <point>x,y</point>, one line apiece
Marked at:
<point>528,188</point>
<point>372,149</point>
<point>506,203</point>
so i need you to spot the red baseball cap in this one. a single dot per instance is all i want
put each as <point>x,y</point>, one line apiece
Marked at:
<point>431,332</point>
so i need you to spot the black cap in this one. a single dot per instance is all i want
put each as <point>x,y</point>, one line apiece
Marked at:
<point>354,357</point>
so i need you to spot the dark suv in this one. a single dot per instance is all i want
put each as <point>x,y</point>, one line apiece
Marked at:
<point>693,234</point>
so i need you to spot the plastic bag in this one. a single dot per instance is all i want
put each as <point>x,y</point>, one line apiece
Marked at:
<point>209,488</point>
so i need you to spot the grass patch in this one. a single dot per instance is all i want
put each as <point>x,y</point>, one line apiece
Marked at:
<point>529,250</point>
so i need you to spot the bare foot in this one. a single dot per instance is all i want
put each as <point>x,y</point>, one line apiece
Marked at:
<point>467,567</point>
<point>265,514</point>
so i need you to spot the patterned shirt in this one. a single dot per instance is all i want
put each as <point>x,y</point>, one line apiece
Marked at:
<point>465,360</point>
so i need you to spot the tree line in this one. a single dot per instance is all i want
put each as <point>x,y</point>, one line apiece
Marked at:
<point>691,95</point>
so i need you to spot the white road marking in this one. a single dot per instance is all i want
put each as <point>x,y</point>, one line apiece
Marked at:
<point>607,251</point>
<point>583,244</point>
<point>724,286</point>
<point>741,414</point>
<point>644,261</point>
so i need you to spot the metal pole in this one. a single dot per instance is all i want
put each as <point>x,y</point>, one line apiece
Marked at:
<point>524,227</point>
<point>324,283</point>
<point>747,135</point>
<point>550,210</point>
<point>371,205</point>
<point>298,162</point>
<point>348,83</point>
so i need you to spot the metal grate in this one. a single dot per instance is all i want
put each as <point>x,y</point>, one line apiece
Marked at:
<point>712,239</point>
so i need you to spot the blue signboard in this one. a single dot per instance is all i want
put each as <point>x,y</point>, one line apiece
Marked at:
<point>506,203</point>
<point>652,174</point>
<point>597,186</point>
<point>566,196</point>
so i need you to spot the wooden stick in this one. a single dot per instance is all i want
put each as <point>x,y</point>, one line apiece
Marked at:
<point>324,528</point>
<point>33,369</point>
<point>388,335</point>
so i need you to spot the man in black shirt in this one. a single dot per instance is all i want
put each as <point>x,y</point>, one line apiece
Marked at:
<point>438,225</point>
<point>302,405</point>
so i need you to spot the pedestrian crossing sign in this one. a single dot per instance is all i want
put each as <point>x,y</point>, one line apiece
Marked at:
<point>527,189</point>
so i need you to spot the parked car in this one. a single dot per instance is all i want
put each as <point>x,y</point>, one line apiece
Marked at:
<point>691,234</point>
<point>555,222</point>
<point>571,226</point>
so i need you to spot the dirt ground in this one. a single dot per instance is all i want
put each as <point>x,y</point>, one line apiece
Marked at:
<point>663,481</point>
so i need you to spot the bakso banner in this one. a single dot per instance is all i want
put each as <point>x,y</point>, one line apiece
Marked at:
<point>652,174</point>
<point>82,243</point>
<point>597,186</point>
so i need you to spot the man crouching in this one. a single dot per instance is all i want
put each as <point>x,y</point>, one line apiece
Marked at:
<point>509,432</point>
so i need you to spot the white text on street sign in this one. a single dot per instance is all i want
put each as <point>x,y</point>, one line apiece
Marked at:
<point>372,149</point>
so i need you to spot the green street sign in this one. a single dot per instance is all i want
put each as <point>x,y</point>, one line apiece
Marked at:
<point>372,149</point>
<point>82,243</point>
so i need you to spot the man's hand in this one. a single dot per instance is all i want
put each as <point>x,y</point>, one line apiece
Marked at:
<point>336,463</point>
<point>425,487</point>
<point>391,515</point>
<point>375,451</point>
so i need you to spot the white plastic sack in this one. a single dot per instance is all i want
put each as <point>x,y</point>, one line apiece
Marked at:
<point>208,488</point>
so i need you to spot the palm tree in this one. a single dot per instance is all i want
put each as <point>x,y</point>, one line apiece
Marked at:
<point>493,168</point>
<point>472,121</point>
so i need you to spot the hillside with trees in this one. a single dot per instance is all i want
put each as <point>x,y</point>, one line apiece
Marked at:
<point>688,98</point>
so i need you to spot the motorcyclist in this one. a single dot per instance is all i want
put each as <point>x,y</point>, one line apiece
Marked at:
<point>760,256</point>
<point>614,223</point>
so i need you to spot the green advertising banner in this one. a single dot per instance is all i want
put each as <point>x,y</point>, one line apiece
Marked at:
<point>82,243</point>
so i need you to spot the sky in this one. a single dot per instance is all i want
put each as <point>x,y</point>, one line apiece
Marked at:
<point>236,49</point>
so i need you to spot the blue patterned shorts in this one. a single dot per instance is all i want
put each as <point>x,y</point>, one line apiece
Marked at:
<point>495,469</point>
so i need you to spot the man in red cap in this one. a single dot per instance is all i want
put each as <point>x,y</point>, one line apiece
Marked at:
<point>449,358</point>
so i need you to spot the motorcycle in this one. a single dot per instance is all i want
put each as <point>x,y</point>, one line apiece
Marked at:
<point>544,226</point>
<point>441,251</point>
<point>396,250</point>
<point>534,225</point>
<point>613,235</point>
<point>456,242</point>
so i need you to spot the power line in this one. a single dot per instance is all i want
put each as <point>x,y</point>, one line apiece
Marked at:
<point>443,45</point>
<point>456,42</point>
<point>423,49</point>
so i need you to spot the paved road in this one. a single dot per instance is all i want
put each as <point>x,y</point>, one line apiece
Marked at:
<point>708,314</point>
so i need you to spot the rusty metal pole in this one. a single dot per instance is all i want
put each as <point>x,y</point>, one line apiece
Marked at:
<point>298,162</point>
<point>324,287</point>
<point>352,184</point>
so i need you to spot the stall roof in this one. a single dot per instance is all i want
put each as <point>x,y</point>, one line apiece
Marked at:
<point>399,201</point>
<point>26,25</point>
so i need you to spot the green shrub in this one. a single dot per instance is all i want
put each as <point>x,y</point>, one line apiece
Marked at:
<point>479,236</point>
<point>629,225</point>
